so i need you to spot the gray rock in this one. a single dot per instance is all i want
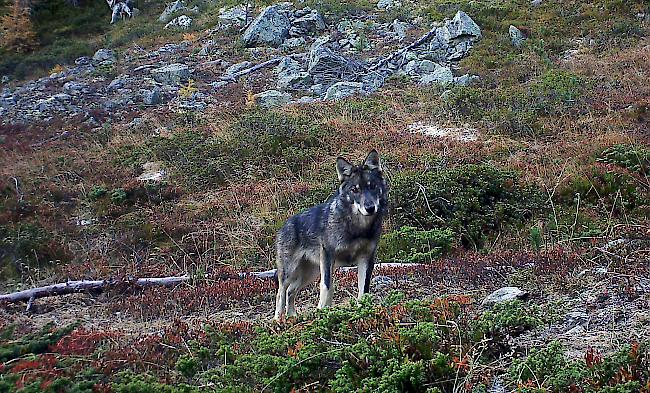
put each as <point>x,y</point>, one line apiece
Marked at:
<point>400,29</point>
<point>497,386</point>
<point>168,12</point>
<point>74,88</point>
<point>310,21</point>
<point>234,16</point>
<point>516,36</point>
<point>7,102</point>
<point>342,90</point>
<point>191,105</point>
<point>270,28</point>
<point>172,74</point>
<point>381,283</point>
<point>503,295</point>
<point>104,56</point>
<point>218,85</point>
<point>62,97</point>
<point>182,22</point>
<point>292,43</point>
<point>442,75</point>
<point>463,25</point>
<point>576,331</point>
<point>317,89</point>
<point>207,49</point>
<point>372,81</point>
<point>304,100</point>
<point>83,61</point>
<point>5,79</point>
<point>426,67</point>
<point>466,80</point>
<point>153,171</point>
<point>151,97</point>
<point>118,83</point>
<point>290,75</point>
<point>388,4</point>
<point>233,69</point>
<point>271,98</point>
<point>575,318</point>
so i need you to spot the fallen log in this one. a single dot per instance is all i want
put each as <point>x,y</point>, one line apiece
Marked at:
<point>65,288</point>
<point>274,61</point>
<point>400,52</point>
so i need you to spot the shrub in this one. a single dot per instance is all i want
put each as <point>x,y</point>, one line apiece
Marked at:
<point>508,318</point>
<point>28,245</point>
<point>16,30</point>
<point>634,158</point>
<point>517,109</point>
<point>474,201</point>
<point>411,245</point>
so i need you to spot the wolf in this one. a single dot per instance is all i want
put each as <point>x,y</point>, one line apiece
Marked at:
<point>343,231</point>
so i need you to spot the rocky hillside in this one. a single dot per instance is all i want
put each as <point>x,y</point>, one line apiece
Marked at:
<point>176,142</point>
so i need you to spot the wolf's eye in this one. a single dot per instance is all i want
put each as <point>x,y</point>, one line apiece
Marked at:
<point>355,189</point>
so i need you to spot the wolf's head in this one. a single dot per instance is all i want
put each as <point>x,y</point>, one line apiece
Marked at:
<point>363,186</point>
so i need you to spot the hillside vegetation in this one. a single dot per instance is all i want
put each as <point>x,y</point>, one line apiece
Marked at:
<point>534,175</point>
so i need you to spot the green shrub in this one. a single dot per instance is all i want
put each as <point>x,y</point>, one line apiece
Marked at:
<point>28,245</point>
<point>118,195</point>
<point>517,109</point>
<point>475,201</point>
<point>411,245</point>
<point>511,318</point>
<point>634,158</point>
<point>97,192</point>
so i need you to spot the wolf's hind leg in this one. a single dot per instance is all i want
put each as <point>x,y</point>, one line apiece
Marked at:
<point>292,292</point>
<point>326,279</point>
<point>280,299</point>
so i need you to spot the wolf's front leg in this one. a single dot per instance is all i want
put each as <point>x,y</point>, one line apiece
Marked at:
<point>326,278</point>
<point>364,275</point>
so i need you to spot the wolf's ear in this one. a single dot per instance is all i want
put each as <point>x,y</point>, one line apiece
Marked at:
<point>343,168</point>
<point>372,161</point>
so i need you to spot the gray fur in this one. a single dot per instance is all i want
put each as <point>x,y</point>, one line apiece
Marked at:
<point>344,231</point>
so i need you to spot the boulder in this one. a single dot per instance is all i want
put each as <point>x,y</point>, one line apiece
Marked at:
<point>503,295</point>
<point>310,21</point>
<point>342,90</point>
<point>74,88</point>
<point>104,56</point>
<point>517,37</point>
<point>7,102</point>
<point>463,25</point>
<point>233,69</point>
<point>270,28</point>
<point>168,12</point>
<point>153,172</point>
<point>442,75</point>
<point>182,22</point>
<point>466,80</point>
<point>172,74</point>
<point>271,98</point>
<point>292,43</point>
<point>290,75</point>
<point>327,67</point>
<point>388,4</point>
<point>234,16</point>
<point>151,97</point>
